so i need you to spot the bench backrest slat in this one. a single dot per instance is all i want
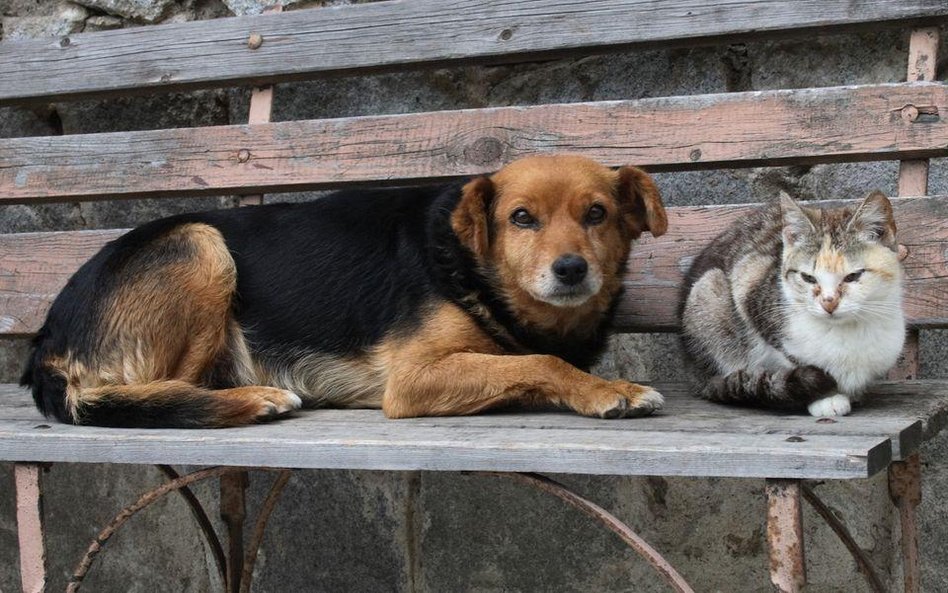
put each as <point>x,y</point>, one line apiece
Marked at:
<point>676,133</point>
<point>36,265</point>
<point>389,35</point>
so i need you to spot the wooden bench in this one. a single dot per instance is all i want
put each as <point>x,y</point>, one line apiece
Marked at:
<point>690,438</point>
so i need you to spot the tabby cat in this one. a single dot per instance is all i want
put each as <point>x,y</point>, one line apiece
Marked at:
<point>796,307</point>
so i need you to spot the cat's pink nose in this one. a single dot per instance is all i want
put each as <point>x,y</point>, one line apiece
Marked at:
<point>830,303</point>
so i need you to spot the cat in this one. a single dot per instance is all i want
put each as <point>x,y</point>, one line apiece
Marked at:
<point>795,307</point>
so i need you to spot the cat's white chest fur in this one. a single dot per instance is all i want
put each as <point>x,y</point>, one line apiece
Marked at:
<point>854,353</point>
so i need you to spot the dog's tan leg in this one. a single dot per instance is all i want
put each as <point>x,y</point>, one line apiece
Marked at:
<point>466,383</point>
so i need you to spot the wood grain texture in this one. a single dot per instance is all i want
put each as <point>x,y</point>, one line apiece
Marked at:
<point>400,34</point>
<point>900,415</point>
<point>913,174</point>
<point>674,133</point>
<point>541,442</point>
<point>922,62</point>
<point>33,269</point>
<point>35,266</point>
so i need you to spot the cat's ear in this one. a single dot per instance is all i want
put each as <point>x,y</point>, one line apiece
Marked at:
<point>873,220</point>
<point>796,223</point>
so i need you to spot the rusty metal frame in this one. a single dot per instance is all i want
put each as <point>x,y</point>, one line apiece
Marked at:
<point>203,521</point>
<point>128,512</point>
<point>610,521</point>
<point>862,560</point>
<point>176,482</point>
<point>784,525</point>
<point>905,489</point>
<point>260,527</point>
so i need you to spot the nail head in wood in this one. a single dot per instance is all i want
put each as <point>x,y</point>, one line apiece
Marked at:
<point>910,113</point>
<point>243,155</point>
<point>255,40</point>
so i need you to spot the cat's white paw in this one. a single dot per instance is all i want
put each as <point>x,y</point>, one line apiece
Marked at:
<point>834,405</point>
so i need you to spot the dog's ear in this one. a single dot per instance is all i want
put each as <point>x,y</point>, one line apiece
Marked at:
<point>642,208</point>
<point>471,217</point>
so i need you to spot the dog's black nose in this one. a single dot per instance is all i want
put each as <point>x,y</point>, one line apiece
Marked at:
<point>570,269</point>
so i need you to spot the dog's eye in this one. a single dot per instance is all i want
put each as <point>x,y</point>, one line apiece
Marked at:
<point>522,218</point>
<point>595,215</point>
<point>854,276</point>
<point>807,278</point>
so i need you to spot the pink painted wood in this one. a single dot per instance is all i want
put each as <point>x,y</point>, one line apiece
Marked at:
<point>785,536</point>
<point>261,108</point>
<point>29,521</point>
<point>905,476</point>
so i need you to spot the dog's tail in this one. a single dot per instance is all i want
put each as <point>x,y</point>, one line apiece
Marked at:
<point>161,404</point>
<point>787,389</point>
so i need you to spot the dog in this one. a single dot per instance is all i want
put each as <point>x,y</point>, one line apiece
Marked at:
<point>421,301</point>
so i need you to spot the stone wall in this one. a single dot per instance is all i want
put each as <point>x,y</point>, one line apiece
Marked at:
<point>428,532</point>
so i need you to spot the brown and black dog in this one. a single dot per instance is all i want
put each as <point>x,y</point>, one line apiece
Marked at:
<point>420,301</point>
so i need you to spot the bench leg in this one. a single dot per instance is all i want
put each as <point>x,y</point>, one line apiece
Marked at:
<point>29,522</point>
<point>233,512</point>
<point>905,489</point>
<point>785,535</point>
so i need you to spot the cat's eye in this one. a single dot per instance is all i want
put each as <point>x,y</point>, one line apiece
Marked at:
<point>854,276</point>
<point>595,215</point>
<point>807,278</point>
<point>522,218</point>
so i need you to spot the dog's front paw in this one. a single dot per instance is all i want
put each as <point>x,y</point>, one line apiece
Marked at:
<point>621,399</point>
<point>834,405</point>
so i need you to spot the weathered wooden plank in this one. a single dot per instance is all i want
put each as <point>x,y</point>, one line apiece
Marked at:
<point>672,133</point>
<point>388,35</point>
<point>35,266</point>
<point>903,412</point>
<point>683,412</point>
<point>913,175</point>
<point>305,442</point>
<point>33,269</point>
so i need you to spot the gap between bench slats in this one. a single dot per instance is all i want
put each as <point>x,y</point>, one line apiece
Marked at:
<point>35,266</point>
<point>397,35</point>
<point>673,133</point>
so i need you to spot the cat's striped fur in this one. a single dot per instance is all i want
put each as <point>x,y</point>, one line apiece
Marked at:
<point>796,307</point>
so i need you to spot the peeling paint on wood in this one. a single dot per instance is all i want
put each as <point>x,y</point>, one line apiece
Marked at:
<point>733,129</point>
<point>384,36</point>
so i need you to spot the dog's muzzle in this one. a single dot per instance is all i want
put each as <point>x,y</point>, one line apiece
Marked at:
<point>570,269</point>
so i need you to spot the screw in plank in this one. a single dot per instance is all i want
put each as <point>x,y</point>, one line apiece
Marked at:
<point>243,155</point>
<point>909,113</point>
<point>255,40</point>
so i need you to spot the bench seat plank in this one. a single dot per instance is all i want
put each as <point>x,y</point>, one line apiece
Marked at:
<point>691,438</point>
<point>673,133</point>
<point>35,266</point>
<point>396,35</point>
